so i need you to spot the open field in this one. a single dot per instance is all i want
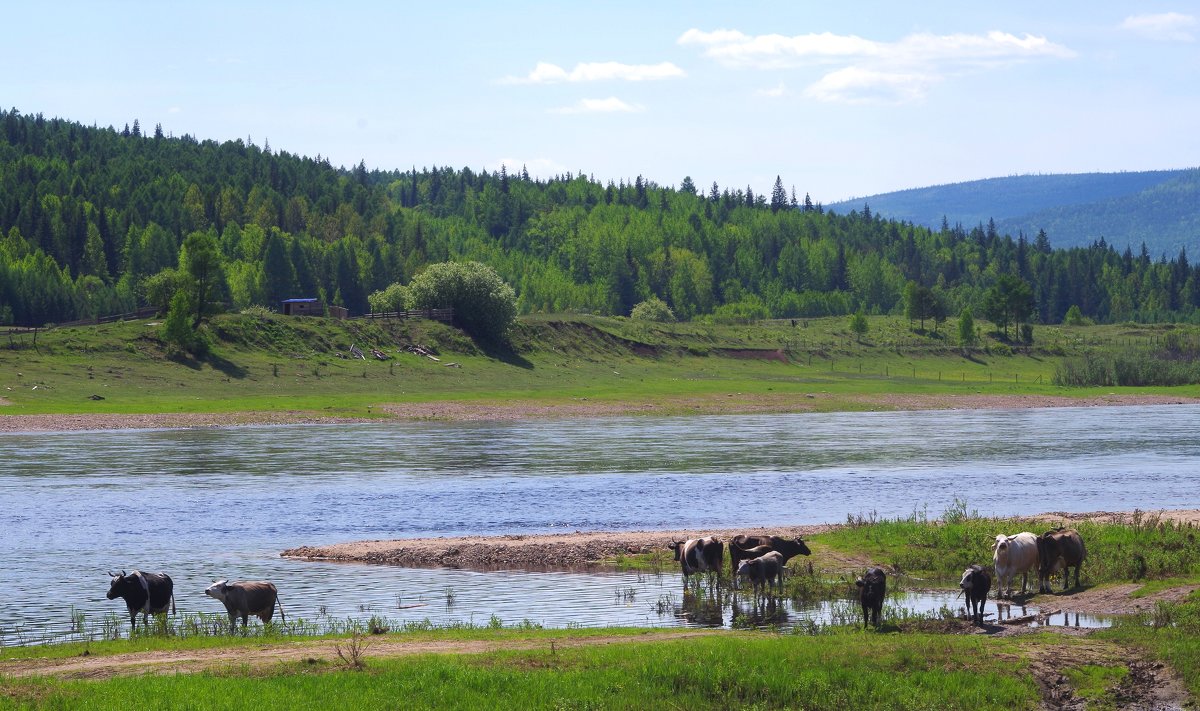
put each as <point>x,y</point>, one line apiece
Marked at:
<point>270,369</point>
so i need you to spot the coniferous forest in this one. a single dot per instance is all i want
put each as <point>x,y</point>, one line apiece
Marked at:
<point>92,221</point>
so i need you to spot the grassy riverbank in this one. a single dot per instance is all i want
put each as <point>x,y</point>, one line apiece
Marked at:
<point>555,365</point>
<point>838,668</point>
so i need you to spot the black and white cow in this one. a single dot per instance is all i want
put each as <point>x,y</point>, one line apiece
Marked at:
<point>698,555</point>
<point>147,593</point>
<point>976,582</point>
<point>245,598</point>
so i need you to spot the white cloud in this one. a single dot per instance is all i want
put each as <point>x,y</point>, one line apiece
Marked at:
<point>774,92</point>
<point>591,106</point>
<point>863,70</point>
<point>174,110</point>
<point>855,85</point>
<point>546,73</point>
<point>1167,26</point>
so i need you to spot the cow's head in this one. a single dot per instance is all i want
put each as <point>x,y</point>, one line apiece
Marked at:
<point>872,582</point>
<point>120,586</point>
<point>801,548</point>
<point>217,590</point>
<point>969,578</point>
<point>676,546</point>
<point>747,567</point>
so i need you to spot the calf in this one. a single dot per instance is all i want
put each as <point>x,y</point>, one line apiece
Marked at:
<point>872,588</point>
<point>1012,555</point>
<point>148,593</point>
<point>975,583</point>
<point>1059,550</point>
<point>743,547</point>
<point>245,598</point>
<point>766,569</point>
<point>698,555</point>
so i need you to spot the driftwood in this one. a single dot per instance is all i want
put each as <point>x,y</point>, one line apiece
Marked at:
<point>1026,619</point>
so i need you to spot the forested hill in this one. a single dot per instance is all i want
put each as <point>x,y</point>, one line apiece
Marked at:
<point>93,219</point>
<point>1159,208</point>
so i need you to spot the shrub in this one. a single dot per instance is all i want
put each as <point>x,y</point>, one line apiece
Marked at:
<point>484,305</point>
<point>393,298</point>
<point>653,309</point>
<point>748,310</point>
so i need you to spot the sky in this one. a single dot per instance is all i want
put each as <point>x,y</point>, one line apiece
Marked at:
<point>840,100</point>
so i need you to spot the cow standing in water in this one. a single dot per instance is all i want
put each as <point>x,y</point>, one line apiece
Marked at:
<point>746,547</point>
<point>698,555</point>
<point>245,598</point>
<point>147,593</point>
<point>976,582</point>
<point>872,589</point>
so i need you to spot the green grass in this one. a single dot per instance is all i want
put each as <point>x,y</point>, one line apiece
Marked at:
<point>273,363</point>
<point>1147,549</point>
<point>1093,682</point>
<point>839,671</point>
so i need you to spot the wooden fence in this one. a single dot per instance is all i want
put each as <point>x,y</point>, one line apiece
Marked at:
<point>445,315</point>
<point>143,312</point>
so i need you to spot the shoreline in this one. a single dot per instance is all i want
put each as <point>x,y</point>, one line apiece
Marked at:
<point>582,550</point>
<point>474,411</point>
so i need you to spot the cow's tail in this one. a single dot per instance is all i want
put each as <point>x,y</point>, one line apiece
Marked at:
<point>172,604</point>
<point>282,617</point>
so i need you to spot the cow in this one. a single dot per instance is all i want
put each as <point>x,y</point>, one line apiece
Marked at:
<point>1059,550</point>
<point>147,593</point>
<point>872,588</point>
<point>766,569</point>
<point>698,555</point>
<point>245,598</point>
<point>740,548</point>
<point>1012,555</point>
<point>976,582</point>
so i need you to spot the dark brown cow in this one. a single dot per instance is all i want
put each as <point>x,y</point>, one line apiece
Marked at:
<point>976,582</point>
<point>740,547</point>
<point>698,555</point>
<point>1059,550</point>
<point>147,593</point>
<point>872,589</point>
<point>245,598</point>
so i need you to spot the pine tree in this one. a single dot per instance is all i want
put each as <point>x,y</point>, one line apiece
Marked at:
<point>778,195</point>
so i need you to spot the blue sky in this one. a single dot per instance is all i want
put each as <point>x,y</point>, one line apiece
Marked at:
<point>840,99</point>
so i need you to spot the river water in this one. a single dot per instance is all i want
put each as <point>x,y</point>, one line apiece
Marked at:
<point>206,504</point>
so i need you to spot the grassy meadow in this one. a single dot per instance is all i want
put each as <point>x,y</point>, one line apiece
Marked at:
<point>265,363</point>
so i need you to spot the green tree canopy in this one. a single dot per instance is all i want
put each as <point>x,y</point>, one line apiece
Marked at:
<point>1010,300</point>
<point>484,305</point>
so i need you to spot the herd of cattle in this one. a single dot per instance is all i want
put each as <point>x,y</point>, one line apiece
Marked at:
<point>154,594</point>
<point>761,561</point>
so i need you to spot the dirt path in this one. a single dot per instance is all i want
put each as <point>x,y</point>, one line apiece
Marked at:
<point>1149,685</point>
<point>308,651</point>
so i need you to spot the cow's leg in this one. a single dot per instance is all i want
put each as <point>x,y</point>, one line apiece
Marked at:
<point>1024,582</point>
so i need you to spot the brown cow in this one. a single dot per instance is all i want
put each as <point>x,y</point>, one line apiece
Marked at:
<point>245,598</point>
<point>872,589</point>
<point>740,548</point>
<point>1059,550</point>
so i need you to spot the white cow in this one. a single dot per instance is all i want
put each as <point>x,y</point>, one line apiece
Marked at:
<point>1012,555</point>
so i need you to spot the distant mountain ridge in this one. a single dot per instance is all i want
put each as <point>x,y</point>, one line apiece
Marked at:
<point>1160,208</point>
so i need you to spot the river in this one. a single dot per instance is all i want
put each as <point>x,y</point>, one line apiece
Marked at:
<point>204,504</point>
